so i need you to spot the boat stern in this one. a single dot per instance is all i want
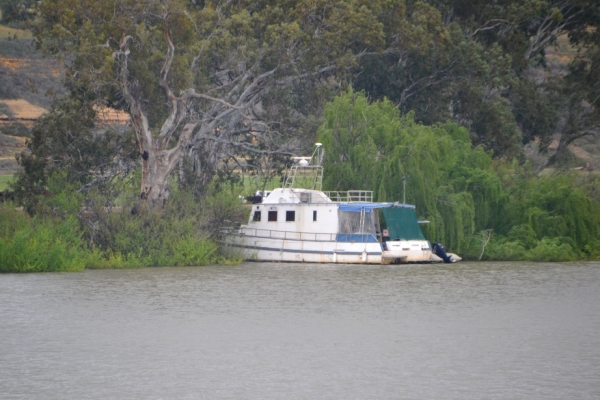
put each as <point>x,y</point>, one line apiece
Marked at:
<point>408,251</point>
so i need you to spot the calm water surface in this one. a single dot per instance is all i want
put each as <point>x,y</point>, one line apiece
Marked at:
<point>304,331</point>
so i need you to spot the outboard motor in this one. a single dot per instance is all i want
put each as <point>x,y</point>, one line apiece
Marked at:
<point>439,251</point>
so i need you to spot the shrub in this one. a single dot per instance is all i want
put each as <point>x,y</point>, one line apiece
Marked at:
<point>501,249</point>
<point>15,129</point>
<point>555,249</point>
<point>39,245</point>
<point>178,236</point>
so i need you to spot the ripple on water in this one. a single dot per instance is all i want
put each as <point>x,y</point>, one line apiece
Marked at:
<point>469,330</point>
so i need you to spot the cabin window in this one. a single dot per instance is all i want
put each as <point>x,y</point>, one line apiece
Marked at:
<point>305,197</point>
<point>273,216</point>
<point>314,215</point>
<point>290,216</point>
<point>256,216</point>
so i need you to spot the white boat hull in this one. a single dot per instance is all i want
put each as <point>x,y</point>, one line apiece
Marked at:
<point>270,249</point>
<point>302,225</point>
<point>409,251</point>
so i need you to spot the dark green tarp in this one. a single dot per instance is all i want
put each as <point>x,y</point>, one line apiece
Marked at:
<point>402,223</point>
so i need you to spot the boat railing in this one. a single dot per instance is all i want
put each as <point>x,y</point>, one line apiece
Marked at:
<point>351,196</point>
<point>310,236</point>
<point>287,235</point>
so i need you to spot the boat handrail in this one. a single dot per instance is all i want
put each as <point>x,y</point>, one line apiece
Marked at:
<point>288,235</point>
<point>350,196</point>
<point>309,236</point>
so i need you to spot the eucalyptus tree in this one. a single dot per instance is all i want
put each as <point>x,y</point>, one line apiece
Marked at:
<point>544,100</point>
<point>436,70</point>
<point>581,100</point>
<point>206,79</point>
<point>68,141</point>
<point>483,65</point>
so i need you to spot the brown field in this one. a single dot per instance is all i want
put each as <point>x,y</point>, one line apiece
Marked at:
<point>14,63</point>
<point>22,110</point>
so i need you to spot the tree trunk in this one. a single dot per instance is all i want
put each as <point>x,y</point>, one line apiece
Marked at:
<point>158,161</point>
<point>154,189</point>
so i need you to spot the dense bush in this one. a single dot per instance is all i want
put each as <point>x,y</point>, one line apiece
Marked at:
<point>144,239</point>
<point>71,231</point>
<point>15,129</point>
<point>39,244</point>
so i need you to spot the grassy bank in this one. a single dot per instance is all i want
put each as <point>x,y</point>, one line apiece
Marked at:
<point>54,244</point>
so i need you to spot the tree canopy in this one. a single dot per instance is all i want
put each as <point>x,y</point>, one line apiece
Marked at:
<point>459,188</point>
<point>215,85</point>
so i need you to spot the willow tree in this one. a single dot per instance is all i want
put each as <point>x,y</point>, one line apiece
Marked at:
<point>371,146</point>
<point>206,80</point>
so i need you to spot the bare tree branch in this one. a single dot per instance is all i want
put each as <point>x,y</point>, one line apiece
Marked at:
<point>489,25</point>
<point>549,28</point>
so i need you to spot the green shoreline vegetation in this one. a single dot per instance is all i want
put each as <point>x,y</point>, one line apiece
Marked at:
<point>469,198</point>
<point>71,233</point>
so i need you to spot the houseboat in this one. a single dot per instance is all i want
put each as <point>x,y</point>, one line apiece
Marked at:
<point>294,224</point>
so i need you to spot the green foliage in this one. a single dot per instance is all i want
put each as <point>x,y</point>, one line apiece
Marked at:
<point>456,186</point>
<point>219,209</point>
<point>553,249</point>
<point>547,249</point>
<point>148,239</point>
<point>39,244</point>
<point>552,206</point>
<point>65,235</point>
<point>500,249</point>
<point>185,233</point>
<point>66,144</point>
<point>58,196</point>
<point>369,146</point>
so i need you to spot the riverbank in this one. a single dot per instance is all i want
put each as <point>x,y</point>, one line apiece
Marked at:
<point>102,239</point>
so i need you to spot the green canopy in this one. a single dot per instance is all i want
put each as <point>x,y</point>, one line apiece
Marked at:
<point>402,223</point>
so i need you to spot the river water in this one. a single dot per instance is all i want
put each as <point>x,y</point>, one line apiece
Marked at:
<point>304,331</point>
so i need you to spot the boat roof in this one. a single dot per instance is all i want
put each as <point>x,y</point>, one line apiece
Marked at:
<point>295,196</point>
